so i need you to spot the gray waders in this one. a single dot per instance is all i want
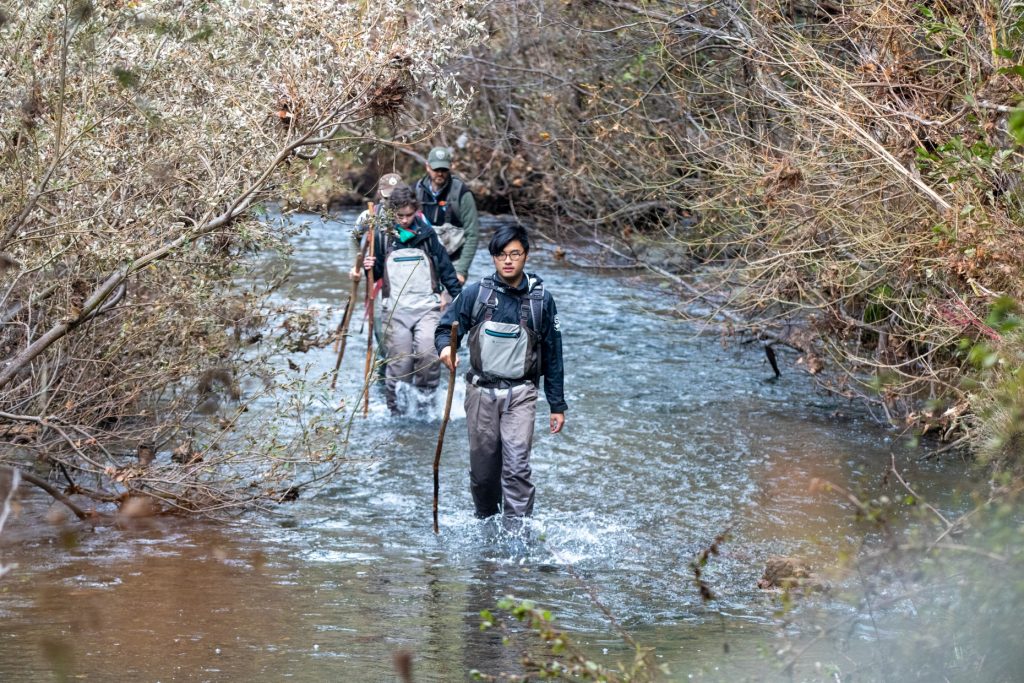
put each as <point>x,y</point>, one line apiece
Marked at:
<point>500,437</point>
<point>501,403</point>
<point>409,315</point>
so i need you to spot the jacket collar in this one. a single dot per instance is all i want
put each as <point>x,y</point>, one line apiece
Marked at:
<point>429,187</point>
<point>526,285</point>
<point>421,230</point>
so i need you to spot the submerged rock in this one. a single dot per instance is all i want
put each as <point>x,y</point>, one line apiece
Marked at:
<point>787,573</point>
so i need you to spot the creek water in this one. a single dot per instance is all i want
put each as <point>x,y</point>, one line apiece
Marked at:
<point>671,439</point>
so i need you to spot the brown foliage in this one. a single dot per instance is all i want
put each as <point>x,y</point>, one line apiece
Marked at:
<point>850,165</point>
<point>138,151</point>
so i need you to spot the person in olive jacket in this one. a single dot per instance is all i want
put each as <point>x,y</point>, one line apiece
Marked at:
<point>449,206</point>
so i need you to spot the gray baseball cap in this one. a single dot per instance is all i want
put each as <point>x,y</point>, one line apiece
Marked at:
<point>439,157</point>
<point>387,183</point>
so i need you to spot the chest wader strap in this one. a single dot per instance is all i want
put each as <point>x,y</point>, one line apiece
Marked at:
<point>531,306</point>
<point>389,246</point>
<point>531,315</point>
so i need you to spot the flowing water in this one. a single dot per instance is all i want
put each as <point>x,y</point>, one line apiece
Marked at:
<point>671,439</point>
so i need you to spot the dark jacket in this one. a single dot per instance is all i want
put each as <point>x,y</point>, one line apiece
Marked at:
<point>425,239</point>
<point>508,312</point>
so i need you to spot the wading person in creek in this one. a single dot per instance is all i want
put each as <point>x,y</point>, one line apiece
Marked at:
<point>413,268</point>
<point>385,186</point>
<point>450,207</point>
<point>514,339</point>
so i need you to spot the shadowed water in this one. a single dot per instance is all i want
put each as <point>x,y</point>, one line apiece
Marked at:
<point>671,439</point>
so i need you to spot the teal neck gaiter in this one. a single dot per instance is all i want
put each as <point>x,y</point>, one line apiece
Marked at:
<point>403,234</point>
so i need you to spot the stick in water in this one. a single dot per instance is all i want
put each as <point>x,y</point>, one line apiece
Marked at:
<point>454,345</point>
<point>369,338</point>
<point>350,306</point>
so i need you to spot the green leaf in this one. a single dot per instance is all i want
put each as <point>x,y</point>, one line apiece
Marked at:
<point>978,354</point>
<point>1012,70</point>
<point>1004,316</point>
<point>1016,122</point>
<point>126,78</point>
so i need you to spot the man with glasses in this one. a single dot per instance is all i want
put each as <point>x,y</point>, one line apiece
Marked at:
<point>514,339</point>
<point>450,207</point>
<point>412,268</point>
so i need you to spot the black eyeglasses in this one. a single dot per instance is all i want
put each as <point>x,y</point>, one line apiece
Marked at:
<point>510,255</point>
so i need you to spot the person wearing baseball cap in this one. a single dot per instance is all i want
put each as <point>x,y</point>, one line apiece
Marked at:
<point>449,205</point>
<point>386,184</point>
<point>439,158</point>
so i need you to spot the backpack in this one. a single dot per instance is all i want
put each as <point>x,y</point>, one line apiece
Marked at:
<point>452,237</point>
<point>449,228</point>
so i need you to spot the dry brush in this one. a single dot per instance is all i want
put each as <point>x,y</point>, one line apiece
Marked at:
<point>140,143</point>
<point>846,177</point>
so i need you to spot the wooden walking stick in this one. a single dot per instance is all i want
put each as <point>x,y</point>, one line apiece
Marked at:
<point>454,345</point>
<point>369,308</point>
<point>350,306</point>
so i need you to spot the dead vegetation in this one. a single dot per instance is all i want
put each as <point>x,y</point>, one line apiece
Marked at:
<point>141,147</point>
<point>845,175</point>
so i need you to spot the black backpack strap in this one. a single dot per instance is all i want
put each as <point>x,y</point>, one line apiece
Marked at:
<point>387,244</point>
<point>534,304</point>
<point>486,301</point>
